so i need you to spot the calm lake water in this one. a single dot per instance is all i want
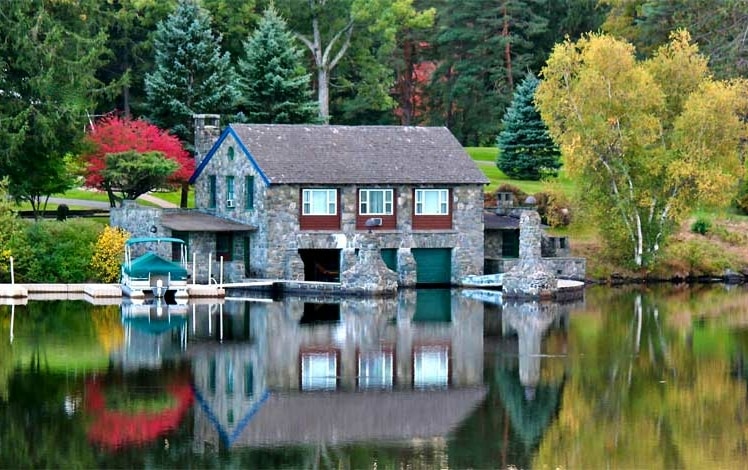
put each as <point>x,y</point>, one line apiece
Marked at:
<point>626,378</point>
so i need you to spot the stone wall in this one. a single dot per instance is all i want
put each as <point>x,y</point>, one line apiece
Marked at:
<point>563,267</point>
<point>275,245</point>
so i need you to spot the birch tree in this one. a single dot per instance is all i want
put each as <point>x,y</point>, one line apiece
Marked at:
<point>645,140</point>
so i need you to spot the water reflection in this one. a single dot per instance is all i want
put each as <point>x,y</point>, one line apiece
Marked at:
<point>627,379</point>
<point>530,398</point>
<point>397,371</point>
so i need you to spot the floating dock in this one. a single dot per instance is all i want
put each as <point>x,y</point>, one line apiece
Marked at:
<point>94,291</point>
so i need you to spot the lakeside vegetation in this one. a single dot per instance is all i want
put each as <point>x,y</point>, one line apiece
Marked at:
<point>721,248</point>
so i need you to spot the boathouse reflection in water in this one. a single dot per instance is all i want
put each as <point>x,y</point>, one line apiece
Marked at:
<point>397,372</point>
<point>344,370</point>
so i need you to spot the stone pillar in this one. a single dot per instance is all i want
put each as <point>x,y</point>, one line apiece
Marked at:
<point>293,266</point>
<point>369,275</point>
<point>347,258</point>
<point>529,278</point>
<point>406,267</point>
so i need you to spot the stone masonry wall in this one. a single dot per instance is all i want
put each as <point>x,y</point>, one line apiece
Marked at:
<point>276,214</point>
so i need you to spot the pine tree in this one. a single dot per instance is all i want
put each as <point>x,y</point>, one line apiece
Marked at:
<point>526,150</point>
<point>274,84</point>
<point>49,54</point>
<point>191,75</point>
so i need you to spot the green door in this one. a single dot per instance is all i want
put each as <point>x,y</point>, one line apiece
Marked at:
<point>433,265</point>
<point>510,243</point>
<point>389,255</point>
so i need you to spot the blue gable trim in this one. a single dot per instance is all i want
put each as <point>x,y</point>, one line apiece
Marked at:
<point>229,131</point>
<point>222,433</point>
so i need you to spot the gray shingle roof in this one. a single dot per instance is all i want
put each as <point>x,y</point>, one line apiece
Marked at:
<point>316,154</point>
<point>194,221</point>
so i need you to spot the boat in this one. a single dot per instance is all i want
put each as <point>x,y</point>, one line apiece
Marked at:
<point>151,273</point>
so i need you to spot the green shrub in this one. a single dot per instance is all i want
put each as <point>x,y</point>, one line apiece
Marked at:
<point>733,238</point>
<point>55,251</point>
<point>701,226</point>
<point>697,257</point>
<point>741,199</point>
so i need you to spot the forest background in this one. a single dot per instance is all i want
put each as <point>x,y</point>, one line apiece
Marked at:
<point>403,62</point>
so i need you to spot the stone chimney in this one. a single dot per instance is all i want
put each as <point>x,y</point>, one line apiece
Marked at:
<point>207,130</point>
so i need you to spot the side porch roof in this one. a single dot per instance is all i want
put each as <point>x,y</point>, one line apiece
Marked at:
<point>196,221</point>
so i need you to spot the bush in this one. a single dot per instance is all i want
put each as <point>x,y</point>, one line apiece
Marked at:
<point>56,252</point>
<point>554,208</point>
<point>108,254</point>
<point>701,226</point>
<point>741,199</point>
<point>696,257</point>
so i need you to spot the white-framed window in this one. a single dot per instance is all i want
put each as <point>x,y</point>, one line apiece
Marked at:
<point>319,202</point>
<point>319,371</point>
<point>432,201</point>
<point>375,201</point>
<point>375,370</point>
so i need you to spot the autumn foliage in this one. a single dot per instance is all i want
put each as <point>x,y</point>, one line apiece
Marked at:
<point>115,134</point>
<point>108,254</point>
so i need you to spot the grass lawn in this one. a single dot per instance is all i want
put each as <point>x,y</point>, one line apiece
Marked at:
<point>485,159</point>
<point>100,196</point>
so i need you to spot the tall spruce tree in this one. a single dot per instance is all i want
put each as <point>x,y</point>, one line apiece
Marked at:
<point>274,84</point>
<point>191,75</point>
<point>49,53</point>
<point>482,48</point>
<point>526,150</point>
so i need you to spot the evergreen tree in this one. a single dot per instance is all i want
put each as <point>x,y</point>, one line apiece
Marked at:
<point>274,84</point>
<point>526,150</point>
<point>191,75</point>
<point>482,47</point>
<point>49,53</point>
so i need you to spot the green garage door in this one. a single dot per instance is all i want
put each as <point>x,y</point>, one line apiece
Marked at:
<point>433,265</point>
<point>389,256</point>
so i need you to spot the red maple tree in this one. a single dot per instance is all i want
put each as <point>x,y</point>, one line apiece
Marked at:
<point>114,134</point>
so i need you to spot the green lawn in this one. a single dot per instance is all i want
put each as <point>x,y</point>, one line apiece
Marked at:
<point>100,196</point>
<point>485,159</point>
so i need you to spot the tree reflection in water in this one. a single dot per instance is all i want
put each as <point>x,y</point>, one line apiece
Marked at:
<point>627,378</point>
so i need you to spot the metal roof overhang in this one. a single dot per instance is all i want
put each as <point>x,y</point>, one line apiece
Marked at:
<point>202,222</point>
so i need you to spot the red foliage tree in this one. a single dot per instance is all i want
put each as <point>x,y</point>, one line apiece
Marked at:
<point>114,134</point>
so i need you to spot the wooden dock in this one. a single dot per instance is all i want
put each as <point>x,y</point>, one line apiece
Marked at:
<point>92,291</point>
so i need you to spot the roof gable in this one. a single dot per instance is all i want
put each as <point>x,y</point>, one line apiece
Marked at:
<point>229,131</point>
<point>321,154</point>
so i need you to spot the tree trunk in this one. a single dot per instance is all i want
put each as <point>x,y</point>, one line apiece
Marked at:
<point>323,60</point>
<point>507,49</point>
<point>323,94</point>
<point>184,197</point>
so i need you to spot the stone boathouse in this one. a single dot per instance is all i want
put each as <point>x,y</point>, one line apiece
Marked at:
<point>307,202</point>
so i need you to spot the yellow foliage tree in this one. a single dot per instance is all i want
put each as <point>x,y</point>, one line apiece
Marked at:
<point>646,140</point>
<point>109,254</point>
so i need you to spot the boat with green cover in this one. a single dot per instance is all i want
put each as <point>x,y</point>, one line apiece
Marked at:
<point>151,272</point>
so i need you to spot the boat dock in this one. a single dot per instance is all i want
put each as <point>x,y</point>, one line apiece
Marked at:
<point>94,291</point>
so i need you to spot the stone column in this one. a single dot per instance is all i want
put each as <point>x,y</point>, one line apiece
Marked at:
<point>529,278</point>
<point>369,275</point>
<point>406,267</point>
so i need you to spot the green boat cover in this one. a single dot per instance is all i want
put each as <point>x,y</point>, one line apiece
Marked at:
<point>151,263</point>
<point>156,327</point>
